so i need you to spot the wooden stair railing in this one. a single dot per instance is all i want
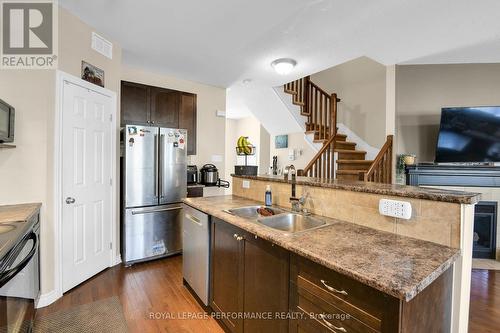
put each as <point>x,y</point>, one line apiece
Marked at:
<point>317,105</point>
<point>323,163</point>
<point>320,108</point>
<point>381,169</point>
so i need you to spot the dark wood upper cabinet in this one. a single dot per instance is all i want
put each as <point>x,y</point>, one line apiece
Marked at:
<point>155,106</point>
<point>165,107</point>
<point>248,275</point>
<point>135,103</point>
<point>187,120</point>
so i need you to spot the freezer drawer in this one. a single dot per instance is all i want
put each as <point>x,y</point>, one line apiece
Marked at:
<point>152,232</point>
<point>196,251</point>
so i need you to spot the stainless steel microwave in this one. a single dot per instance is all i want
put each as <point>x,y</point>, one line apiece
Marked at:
<point>7,115</point>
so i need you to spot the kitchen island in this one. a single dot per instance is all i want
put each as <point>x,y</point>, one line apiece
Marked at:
<point>387,274</point>
<point>388,280</point>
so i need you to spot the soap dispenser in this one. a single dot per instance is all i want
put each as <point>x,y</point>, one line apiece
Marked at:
<point>269,196</point>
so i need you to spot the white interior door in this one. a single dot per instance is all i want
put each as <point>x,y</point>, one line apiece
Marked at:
<point>86,184</point>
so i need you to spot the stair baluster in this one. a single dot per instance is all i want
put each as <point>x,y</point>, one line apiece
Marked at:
<point>320,108</point>
<point>381,169</point>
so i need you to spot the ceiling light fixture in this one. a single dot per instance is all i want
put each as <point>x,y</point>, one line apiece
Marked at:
<point>283,66</point>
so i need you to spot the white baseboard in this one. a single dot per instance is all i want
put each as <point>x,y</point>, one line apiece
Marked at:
<point>47,298</point>
<point>118,260</point>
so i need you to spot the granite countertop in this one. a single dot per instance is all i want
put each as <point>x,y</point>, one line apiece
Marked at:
<point>378,188</point>
<point>14,218</point>
<point>396,265</point>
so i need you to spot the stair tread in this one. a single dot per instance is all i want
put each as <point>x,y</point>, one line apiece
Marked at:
<point>350,151</point>
<point>350,172</point>
<point>291,92</point>
<point>355,161</point>
<point>298,103</point>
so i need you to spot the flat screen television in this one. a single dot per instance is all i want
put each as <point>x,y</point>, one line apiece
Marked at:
<point>469,135</point>
<point>7,114</point>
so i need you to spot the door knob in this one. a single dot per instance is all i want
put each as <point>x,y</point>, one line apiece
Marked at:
<point>70,200</point>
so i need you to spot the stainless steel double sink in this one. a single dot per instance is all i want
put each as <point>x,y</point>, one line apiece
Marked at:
<point>282,220</point>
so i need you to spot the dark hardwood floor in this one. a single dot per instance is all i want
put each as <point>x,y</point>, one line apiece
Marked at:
<point>484,316</point>
<point>157,287</point>
<point>143,288</point>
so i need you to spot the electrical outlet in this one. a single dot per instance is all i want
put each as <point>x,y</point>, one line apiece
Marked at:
<point>245,184</point>
<point>395,208</point>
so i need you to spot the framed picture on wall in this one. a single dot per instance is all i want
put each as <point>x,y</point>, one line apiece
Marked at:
<point>281,141</point>
<point>92,74</point>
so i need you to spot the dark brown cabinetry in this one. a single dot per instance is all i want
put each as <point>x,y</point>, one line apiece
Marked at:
<point>165,107</point>
<point>340,304</point>
<point>135,100</point>
<point>187,119</point>
<point>249,276</point>
<point>154,106</point>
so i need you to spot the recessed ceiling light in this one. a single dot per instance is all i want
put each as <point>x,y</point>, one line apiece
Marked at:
<point>283,66</point>
<point>246,81</point>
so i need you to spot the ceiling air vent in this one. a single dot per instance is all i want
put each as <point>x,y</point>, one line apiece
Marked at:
<point>101,45</point>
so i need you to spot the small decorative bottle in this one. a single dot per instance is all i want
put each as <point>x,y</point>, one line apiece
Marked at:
<point>269,196</point>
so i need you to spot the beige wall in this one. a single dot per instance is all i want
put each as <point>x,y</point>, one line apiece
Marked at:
<point>26,171</point>
<point>421,92</point>
<point>295,141</point>
<point>74,46</point>
<point>361,84</point>
<point>210,128</point>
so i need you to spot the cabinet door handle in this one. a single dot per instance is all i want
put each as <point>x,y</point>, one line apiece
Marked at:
<point>330,325</point>
<point>343,292</point>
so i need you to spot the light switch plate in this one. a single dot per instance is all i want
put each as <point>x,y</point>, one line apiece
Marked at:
<point>395,208</point>
<point>245,184</point>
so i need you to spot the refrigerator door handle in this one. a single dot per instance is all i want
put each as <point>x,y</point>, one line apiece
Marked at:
<point>156,166</point>
<point>162,147</point>
<point>139,212</point>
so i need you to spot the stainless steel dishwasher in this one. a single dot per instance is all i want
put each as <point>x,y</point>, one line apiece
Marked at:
<point>196,251</point>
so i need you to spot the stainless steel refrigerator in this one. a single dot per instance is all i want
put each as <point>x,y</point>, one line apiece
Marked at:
<point>154,182</point>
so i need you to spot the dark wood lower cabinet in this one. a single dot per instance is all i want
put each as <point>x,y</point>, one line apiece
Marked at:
<point>226,276</point>
<point>266,285</point>
<point>253,282</point>
<point>326,301</point>
<point>249,280</point>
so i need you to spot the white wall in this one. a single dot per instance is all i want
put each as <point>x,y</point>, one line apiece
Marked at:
<point>421,92</point>
<point>210,133</point>
<point>295,141</point>
<point>361,84</point>
<point>257,135</point>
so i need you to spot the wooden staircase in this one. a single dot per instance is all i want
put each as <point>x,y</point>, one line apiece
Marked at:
<point>337,158</point>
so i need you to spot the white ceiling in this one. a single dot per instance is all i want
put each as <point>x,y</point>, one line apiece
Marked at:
<point>222,42</point>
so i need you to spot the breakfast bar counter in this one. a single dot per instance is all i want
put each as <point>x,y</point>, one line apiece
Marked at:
<point>396,265</point>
